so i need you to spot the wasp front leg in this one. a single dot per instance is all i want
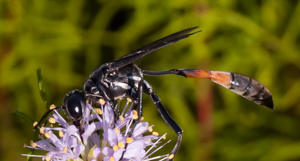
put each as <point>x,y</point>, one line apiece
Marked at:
<point>98,95</point>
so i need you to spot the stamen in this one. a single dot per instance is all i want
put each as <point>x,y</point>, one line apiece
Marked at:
<point>52,107</point>
<point>87,101</point>
<point>128,128</point>
<point>33,144</point>
<point>165,137</point>
<point>99,111</point>
<point>60,133</point>
<point>142,118</point>
<point>125,107</point>
<point>47,135</point>
<point>153,145</point>
<point>117,130</point>
<point>121,118</point>
<point>115,147</point>
<point>171,156</point>
<point>121,144</point>
<point>157,157</point>
<point>111,158</point>
<point>65,149</point>
<point>135,117</point>
<point>134,114</point>
<point>129,99</point>
<point>150,129</point>
<point>52,120</point>
<point>101,101</point>
<point>164,158</point>
<point>157,149</point>
<point>155,133</point>
<point>47,158</point>
<point>35,123</point>
<point>129,140</point>
<point>42,130</point>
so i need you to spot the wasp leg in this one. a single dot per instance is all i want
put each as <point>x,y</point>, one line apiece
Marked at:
<point>44,120</point>
<point>139,103</point>
<point>94,93</point>
<point>139,114</point>
<point>166,117</point>
<point>242,85</point>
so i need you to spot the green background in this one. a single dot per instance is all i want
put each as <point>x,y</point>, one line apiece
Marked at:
<point>68,39</point>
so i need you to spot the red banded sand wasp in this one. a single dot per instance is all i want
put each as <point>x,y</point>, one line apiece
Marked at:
<point>122,79</point>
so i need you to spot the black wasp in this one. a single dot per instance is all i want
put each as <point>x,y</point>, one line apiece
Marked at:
<point>122,79</point>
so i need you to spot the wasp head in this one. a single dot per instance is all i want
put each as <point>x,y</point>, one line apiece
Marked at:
<point>75,103</point>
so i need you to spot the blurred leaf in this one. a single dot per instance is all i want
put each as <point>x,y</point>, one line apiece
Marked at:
<point>42,89</point>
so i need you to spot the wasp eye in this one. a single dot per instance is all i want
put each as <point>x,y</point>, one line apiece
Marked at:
<point>74,109</point>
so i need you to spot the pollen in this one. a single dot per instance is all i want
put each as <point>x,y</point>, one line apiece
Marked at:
<point>65,149</point>
<point>42,130</point>
<point>47,158</point>
<point>150,129</point>
<point>121,144</point>
<point>142,118</point>
<point>129,99</point>
<point>165,137</point>
<point>35,123</point>
<point>52,107</point>
<point>121,117</point>
<point>129,140</point>
<point>115,147</point>
<point>155,133</point>
<point>32,144</point>
<point>60,133</point>
<point>171,156</point>
<point>134,112</point>
<point>52,120</point>
<point>134,115</point>
<point>47,135</point>
<point>111,158</point>
<point>99,111</point>
<point>117,130</point>
<point>101,101</point>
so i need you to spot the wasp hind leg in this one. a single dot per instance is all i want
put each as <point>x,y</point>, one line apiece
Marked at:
<point>166,117</point>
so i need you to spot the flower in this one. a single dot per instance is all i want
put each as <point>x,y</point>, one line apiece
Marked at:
<point>100,137</point>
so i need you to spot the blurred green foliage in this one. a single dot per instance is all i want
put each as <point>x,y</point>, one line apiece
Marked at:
<point>67,39</point>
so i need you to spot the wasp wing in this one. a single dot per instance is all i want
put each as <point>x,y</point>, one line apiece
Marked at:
<point>147,49</point>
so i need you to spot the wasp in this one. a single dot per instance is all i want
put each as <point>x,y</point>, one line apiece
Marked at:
<point>121,78</point>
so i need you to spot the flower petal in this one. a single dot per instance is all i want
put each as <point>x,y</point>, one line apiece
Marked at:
<point>111,136</point>
<point>107,151</point>
<point>94,139</point>
<point>135,150</point>
<point>108,116</point>
<point>140,129</point>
